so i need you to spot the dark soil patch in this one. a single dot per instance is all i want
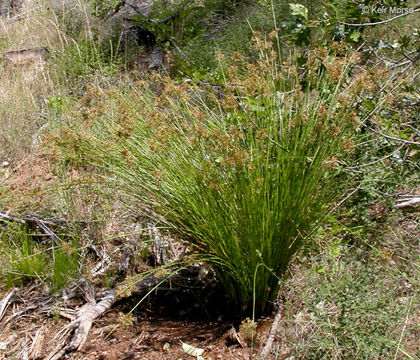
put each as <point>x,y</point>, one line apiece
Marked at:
<point>186,298</point>
<point>185,310</point>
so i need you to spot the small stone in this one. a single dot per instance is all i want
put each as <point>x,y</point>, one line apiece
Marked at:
<point>5,164</point>
<point>47,177</point>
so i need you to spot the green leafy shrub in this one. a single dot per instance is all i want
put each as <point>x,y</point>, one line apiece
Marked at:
<point>102,7</point>
<point>348,312</point>
<point>330,20</point>
<point>81,59</point>
<point>86,50</point>
<point>232,32</point>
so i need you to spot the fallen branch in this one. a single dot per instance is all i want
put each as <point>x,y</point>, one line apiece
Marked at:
<point>47,231</point>
<point>114,10</point>
<point>26,56</point>
<point>83,323</point>
<point>22,15</point>
<point>273,330</point>
<point>33,221</point>
<point>5,303</point>
<point>36,347</point>
<point>394,138</point>
<point>20,313</point>
<point>4,217</point>
<point>143,12</point>
<point>410,203</point>
<point>136,9</point>
<point>377,160</point>
<point>36,222</point>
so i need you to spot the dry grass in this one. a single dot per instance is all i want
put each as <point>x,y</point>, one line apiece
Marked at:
<point>21,97</point>
<point>23,87</point>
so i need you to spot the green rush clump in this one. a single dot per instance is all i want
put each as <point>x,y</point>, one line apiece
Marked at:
<point>243,171</point>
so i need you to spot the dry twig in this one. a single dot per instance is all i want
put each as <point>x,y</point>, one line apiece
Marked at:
<point>36,222</point>
<point>410,142</point>
<point>409,203</point>
<point>36,347</point>
<point>22,15</point>
<point>377,160</point>
<point>6,302</point>
<point>273,330</point>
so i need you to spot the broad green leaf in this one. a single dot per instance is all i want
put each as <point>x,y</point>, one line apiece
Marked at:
<point>299,10</point>
<point>354,36</point>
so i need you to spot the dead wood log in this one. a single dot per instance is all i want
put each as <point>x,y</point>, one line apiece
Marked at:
<point>83,323</point>
<point>25,56</point>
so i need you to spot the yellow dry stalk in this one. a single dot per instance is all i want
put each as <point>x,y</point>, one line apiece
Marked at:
<point>125,320</point>
<point>248,330</point>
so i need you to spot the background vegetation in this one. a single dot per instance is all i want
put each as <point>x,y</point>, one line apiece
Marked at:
<point>271,127</point>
